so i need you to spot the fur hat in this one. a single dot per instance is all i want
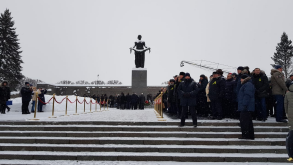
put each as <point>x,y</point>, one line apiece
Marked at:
<point>187,74</point>
<point>240,68</point>
<point>182,73</point>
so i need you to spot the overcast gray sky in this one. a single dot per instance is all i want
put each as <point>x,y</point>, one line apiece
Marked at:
<point>79,39</point>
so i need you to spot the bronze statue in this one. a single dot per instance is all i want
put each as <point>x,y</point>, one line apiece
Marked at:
<point>139,48</point>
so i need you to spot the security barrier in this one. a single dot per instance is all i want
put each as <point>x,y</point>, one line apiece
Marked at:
<point>159,107</point>
<point>72,102</point>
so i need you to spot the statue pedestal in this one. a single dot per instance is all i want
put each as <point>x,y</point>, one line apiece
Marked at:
<point>139,80</point>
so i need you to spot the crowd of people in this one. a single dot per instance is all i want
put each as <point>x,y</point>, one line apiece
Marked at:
<point>122,101</point>
<point>243,95</point>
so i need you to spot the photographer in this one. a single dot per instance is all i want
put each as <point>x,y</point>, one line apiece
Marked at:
<point>26,94</point>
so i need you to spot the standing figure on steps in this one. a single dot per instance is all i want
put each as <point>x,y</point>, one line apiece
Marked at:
<point>139,49</point>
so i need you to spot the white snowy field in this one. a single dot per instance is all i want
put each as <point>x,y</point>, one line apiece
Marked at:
<point>146,115</point>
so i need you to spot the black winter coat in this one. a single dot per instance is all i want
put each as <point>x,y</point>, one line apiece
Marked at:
<point>141,99</point>
<point>217,87</point>
<point>230,89</point>
<point>4,94</point>
<point>261,85</point>
<point>26,94</point>
<point>42,95</point>
<point>202,87</point>
<point>171,89</point>
<point>134,99</point>
<point>187,87</point>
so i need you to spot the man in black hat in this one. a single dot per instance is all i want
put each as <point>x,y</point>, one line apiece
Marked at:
<point>216,93</point>
<point>26,94</point>
<point>187,91</point>
<point>180,78</point>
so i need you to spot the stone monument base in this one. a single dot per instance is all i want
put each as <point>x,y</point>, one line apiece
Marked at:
<point>139,81</point>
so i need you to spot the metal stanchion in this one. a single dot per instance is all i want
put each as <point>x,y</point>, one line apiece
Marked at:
<point>35,113</point>
<point>91,106</point>
<point>96,106</point>
<point>66,107</point>
<point>53,107</point>
<point>161,109</point>
<point>76,107</point>
<point>84,106</point>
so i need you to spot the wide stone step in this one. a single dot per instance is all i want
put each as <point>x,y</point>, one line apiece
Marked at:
<point>137,128</point>
<point>173,123</point>
<point>142,148</point>
<point>145,156</point>
<point>143,141</point>
<point>139,134</point>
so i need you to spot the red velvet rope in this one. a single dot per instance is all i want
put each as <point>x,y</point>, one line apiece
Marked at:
<point>59,102</point>
<point>71,102</point>
<point>80,102</point>
<point>44,102</point>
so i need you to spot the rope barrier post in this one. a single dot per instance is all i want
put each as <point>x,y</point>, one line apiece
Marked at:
<point>35,113</point>
<point>66,106</point>
<point>96,106</point>
<point>53,107</point>
<point>91,106</point>
<point>84,106</point>
<point>76,107</point>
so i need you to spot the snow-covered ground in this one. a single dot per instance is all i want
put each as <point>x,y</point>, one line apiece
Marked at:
<point>59,110</point>
<point>113,114</point>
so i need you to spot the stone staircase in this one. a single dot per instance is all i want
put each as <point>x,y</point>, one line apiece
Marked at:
<point>211,141</point>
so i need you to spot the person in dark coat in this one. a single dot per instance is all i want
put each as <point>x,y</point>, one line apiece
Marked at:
<point>187,91</point>
<point>171,101</point>
<point>216,93</point>
<point>128,101</point>
<point>42,98</point>
<point>122,101</point>
<point>238,80</point>
<point>246,105</point>
<point>4,96</point>
<point>141,101</point>
<point>261,84</point>
<point>26,95</point>
<point>202,98</point>
<point>178,80</point>
<point>229,97</point>
<point>118,101</point>
<point>134,101</point>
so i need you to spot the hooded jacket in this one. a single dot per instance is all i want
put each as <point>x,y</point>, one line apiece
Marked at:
<point>278,82</point>
<point>246,100</point>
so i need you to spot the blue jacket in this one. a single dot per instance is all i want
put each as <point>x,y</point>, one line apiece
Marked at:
<point>246,100</point>
<point>189,87</point>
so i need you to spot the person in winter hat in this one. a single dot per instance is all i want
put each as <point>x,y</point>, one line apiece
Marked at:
<point>188,91</point>
<point>279,89</point>
<point>246,105</point>
<point>26,94</point>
